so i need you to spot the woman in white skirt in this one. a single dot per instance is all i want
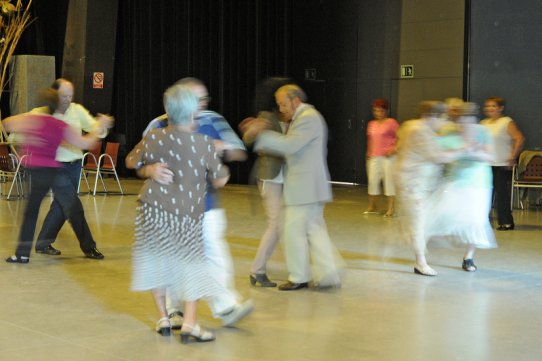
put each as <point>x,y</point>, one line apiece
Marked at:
<point>457,211</point>
<point>168,250</point>
<point>420,157</point>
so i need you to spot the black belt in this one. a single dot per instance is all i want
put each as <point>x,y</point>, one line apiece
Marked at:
<point>72,162</point>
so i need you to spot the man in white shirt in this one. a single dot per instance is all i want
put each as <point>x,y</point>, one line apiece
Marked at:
<point>80,120</point>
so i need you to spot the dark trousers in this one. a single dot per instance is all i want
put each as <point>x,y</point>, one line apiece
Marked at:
<point>58,215</point>
<point>502,178</point>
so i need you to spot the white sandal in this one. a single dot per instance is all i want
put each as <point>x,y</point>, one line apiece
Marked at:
<point>162,327</point>
<point>189,332</point>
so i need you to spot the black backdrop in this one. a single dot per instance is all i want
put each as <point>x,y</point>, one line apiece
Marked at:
<point>230,45</point>
<point>504,60</point>
<point>159,42</point>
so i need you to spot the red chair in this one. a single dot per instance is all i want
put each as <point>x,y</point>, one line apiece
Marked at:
<point>107,164</point>
<point>89,164</point>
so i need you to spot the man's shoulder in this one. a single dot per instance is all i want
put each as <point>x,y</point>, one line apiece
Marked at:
<point>40,110</point>
<point>158,118</point>
<point>308,109</point>
<point>210,116</point>
<point>79,111</point>
<point>77,107</point>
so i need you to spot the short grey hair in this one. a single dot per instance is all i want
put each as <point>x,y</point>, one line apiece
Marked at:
<point>292,91</point>
<point>189,81</point>
<point>180,104</point>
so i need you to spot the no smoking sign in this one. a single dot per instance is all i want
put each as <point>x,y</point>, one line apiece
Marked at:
<point>98,80</point>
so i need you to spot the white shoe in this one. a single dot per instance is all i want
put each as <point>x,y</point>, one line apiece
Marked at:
<point>424,270</point>
<point>238,312</point>
<point>176,320</point>
<point>195,333</point>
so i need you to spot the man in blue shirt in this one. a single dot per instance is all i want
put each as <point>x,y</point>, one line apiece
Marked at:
<point>227,306</point>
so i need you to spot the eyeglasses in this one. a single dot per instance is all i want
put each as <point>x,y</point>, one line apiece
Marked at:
<point>206,98</point>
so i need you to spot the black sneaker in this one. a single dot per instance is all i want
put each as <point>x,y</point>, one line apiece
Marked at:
<point>50,250</point>
<point>94,254</point>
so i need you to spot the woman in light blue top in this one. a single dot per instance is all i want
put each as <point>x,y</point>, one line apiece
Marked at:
<point>459,207</point>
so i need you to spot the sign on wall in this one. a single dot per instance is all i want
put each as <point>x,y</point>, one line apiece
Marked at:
<point>407,71</point>
<point>98,80</point>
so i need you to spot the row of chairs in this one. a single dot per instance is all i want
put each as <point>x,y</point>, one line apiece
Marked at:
<point>11,172</point>
<point>12,168</point>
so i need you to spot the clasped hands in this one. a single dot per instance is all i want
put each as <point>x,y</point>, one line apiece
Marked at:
<point>251,127</point>
<point>160,173</point>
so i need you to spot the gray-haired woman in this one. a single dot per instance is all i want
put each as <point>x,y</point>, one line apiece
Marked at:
<point>168,250</point>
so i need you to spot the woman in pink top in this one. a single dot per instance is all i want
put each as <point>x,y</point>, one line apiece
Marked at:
<point>42,134</point>
<point>381,139</point>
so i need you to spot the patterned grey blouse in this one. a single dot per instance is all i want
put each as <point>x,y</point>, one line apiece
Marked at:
<point>194,162</point>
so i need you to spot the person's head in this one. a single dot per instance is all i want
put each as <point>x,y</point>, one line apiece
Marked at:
<point>494,107</point>
<point>65,93</point>
<point>264,95</point>
<point>199,89</point>
<point>180,103</point>
<point>289,97</point>
<point>454,107</point>
<point>469,112</point>
<point>49,98</point>
<point>431,109</point>
<point>380,108</point>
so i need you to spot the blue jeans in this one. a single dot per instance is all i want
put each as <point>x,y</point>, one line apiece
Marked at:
<point>57,213</point>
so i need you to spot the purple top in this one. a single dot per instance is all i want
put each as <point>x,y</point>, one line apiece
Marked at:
<point>43,140</point>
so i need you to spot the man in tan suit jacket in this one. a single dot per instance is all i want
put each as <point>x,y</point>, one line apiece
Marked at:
<point>306,190</point>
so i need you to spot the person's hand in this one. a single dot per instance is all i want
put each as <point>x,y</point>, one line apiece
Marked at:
<point>220,146</point>
<point>160,173</point>
<point>105,121</point>
<point>243,126</point>
<point>255,127</point>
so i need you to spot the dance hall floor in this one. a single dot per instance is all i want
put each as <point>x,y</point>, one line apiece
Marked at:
<point>71,308</point>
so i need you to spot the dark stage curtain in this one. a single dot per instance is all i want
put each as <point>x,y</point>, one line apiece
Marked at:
<point>230,45</point>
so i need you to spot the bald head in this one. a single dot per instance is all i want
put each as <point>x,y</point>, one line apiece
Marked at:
<point>65,94</point>
<point>289,97</point>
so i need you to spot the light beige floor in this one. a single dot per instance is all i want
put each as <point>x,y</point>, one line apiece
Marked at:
<point>71,308</point>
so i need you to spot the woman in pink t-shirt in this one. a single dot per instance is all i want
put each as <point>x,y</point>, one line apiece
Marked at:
<point>381,140</point>
<point>42,134</point>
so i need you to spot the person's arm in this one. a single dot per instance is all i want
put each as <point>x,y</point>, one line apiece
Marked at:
<point>86,141</point>
<point>517,141</point>
<point>301,132</point>
<point>156,123</point>
<point>220,182</point>
<point>218,173</point>
<point>234,149</point>
<point>426,144</point>
<point>99,124</point>
<point>158,172</point>
<point>480,143</point>
<point>134,158</point>
<point>395,129</point>
<point>18,123</point>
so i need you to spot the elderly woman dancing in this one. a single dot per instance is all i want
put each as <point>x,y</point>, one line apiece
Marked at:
<point>168,250</point>
<point>419,168</point>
